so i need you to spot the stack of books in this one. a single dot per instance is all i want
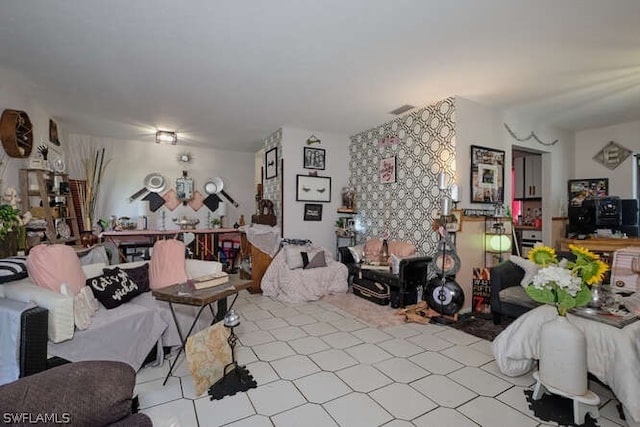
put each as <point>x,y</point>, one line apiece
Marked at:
<point>210,280</point>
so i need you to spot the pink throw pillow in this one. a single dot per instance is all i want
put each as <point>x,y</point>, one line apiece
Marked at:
<point>401,249</point>
<point>168,265</point>
<point>372,249</point>
<point>50,266</point>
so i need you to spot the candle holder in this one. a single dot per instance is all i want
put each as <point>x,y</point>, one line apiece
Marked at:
<point>235,377</point>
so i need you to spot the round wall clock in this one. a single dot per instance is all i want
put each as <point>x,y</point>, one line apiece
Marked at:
<point>16,133</point>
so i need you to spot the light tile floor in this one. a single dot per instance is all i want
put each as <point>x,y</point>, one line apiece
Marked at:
<point>316,365</point>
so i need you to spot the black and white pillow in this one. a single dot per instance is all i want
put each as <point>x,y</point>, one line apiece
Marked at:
<point>139,274</point>
<point>114,288</point>
<point>13,268</point>
<point>313,259</point>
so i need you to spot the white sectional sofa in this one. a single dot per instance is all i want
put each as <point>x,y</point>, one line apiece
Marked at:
<point>126,333</point>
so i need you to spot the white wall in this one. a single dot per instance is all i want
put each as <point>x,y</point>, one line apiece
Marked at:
<point>12,98</point>
<point>557,162</point>
<point>322,233</point>
<point>590,142</point>
<point>131,161</point>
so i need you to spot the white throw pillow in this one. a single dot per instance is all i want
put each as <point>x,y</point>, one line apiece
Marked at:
<point>530,269</point>
<point>357,252</point>
<point>293,256</point>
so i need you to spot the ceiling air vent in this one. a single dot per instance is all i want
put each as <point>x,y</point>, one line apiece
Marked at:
<point>403,109</point>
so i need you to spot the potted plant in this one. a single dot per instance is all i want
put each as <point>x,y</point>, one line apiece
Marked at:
<point>11,231</point>
<point>216,223</point>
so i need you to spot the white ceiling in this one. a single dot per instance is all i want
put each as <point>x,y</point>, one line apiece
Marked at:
<point>228,73</point>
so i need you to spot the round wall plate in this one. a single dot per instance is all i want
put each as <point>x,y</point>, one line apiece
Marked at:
<point>16,133</point>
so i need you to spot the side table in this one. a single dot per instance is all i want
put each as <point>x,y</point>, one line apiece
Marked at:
<point>200,298</point>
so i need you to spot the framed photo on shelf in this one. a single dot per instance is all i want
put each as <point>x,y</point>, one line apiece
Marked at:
<point>313,188</point>
<point>487,175</point>
<point>580,189</point>
<point>454,221</point>
<point>314,158</point>
<point>312,212</point>
<point>388,170</point>
<point>271,163</point>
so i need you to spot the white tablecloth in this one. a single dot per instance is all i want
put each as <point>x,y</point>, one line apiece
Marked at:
<point>613,354</point>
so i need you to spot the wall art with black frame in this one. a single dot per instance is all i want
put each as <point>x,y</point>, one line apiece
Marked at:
<point>312,212</point>
<point>487,175</point>
<point>313,188</point>
<point>314,158</point>
<point>580,189</point>
<point>271,163</point>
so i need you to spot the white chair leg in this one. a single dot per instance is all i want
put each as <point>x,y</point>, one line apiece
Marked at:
<point>539,391</point>
<point>580,410</point>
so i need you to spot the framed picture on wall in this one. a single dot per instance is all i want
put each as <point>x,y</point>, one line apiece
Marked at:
<point>53,133</point>
<point>314,158</point>
<point>313,188</point>
<point>580,189</point>
<point>487,175</point>
<point>312,212</point>
<point>388,170</point>
<point>271,163</point>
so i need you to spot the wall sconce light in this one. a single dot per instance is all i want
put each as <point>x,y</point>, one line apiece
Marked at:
<point>166,137</point>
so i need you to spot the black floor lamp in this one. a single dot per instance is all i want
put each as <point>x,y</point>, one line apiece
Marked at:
<point>445,293</point>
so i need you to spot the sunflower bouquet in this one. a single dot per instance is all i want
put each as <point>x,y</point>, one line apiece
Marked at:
<point>566,284</point>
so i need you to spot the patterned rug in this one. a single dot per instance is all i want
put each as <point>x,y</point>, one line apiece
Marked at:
<point>382,316</point>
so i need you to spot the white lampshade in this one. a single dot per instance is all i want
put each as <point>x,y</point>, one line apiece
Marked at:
<point>498,243</point>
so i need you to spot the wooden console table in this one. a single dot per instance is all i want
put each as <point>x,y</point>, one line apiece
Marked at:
<point>205,246</point>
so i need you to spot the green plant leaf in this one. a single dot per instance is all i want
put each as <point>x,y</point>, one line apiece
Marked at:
<point>544,296</point>
<point>565,301</point>
<point>583,296</point>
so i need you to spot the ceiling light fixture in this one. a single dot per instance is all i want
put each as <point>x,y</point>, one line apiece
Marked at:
<point>166,137</point>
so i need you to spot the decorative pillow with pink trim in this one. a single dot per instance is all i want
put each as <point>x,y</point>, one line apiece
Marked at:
<point>50,266</point>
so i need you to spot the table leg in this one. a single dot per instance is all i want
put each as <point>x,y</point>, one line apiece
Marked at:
<point>222,309</point>
<point>182,339</point>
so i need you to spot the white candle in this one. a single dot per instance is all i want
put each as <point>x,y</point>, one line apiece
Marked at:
<point>445,206</point>
<point>442,181</point>
<point>454,193</point>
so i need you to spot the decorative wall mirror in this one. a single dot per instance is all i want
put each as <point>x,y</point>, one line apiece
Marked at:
<point>184,188</point>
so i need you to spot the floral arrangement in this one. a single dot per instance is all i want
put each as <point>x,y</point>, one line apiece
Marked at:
<point>565,283</point>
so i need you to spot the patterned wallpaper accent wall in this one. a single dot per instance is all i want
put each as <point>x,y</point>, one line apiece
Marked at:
<point>407,207</point>
<point>271,187</point>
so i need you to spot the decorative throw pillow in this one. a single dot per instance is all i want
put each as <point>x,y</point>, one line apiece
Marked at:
<point>51,265</point>
<point>293,257</point>
<point>357,252</point>
<point>530,269</point>
<point>13,268</point>
<point>113,289</point>
<point>313,260</point>
<point>139,274</point>
<point>168,265</point>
